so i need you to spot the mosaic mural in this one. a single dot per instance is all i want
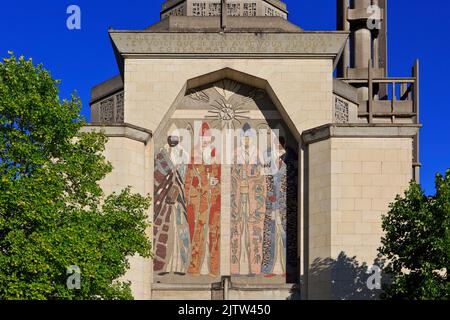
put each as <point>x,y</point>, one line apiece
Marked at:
<point>187,210</point>
<point>260,185</point>
<point>263,207</point>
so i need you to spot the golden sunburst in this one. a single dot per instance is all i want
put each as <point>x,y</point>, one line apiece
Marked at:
<point>226,114</point>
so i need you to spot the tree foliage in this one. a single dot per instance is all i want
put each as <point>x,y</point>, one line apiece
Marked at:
<point>53,213</point>
<point>417,243</point>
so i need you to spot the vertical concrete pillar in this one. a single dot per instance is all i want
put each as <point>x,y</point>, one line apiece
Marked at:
<point>363,38</point>
<point>224,13</point>
<point>362,49</point>
<point>361,4</point>
<point>343,24</point>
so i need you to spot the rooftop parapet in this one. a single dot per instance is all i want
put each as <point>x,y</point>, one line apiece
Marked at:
<point>238,8</point>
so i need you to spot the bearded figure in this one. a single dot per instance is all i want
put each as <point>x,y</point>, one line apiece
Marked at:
<point>171,233</point>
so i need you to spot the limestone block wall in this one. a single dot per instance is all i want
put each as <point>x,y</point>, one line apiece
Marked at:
<point>366,176</point>
<point>317,219</point>
<point>259,294</point>
<point>303,86</point>
<point>188,292</point>
<point>351,183</point>
<point>131,167</point>
<point>206,292</point>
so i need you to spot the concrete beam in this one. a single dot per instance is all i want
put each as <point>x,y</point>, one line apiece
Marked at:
<point>142,44</point>
<point>124,130</point>
<point>359,131</point>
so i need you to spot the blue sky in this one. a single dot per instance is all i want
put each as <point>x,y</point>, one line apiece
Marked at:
<point>84,57</point>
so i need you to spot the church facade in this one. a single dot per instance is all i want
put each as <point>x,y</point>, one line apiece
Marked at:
<point>270,152</point>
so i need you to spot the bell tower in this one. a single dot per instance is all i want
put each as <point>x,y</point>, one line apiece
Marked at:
<point>364,65</point>
<point>367,22</point>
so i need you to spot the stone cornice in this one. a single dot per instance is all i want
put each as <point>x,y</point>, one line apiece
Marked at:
<point>123,130</point>
<point>144,44</point>
<point>359,131</point>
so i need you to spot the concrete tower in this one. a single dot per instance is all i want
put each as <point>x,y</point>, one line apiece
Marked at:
<point>367,22</point>
<point>364,65</point>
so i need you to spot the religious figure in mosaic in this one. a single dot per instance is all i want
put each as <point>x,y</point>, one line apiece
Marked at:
<point>274,258</point>
<point>171,235</point>
<point>247,207</point>
<point>281,179</point>
<point>261,211</point>
<point>202,187</point>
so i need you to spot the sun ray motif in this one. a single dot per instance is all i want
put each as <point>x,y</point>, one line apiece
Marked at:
<point>226,113</point>
<point>223,110</point>
<point>227,88</point>
<point>198,95</point>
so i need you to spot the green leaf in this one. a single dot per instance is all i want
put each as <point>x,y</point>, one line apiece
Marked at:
<point>417,244</point>
<point>53,213</point>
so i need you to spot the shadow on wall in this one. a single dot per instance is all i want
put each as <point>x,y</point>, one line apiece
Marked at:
<point>295,293</point>
<point>343,278</point>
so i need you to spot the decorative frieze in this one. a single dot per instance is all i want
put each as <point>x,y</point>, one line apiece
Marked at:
<point>243,8</point>
<point>249,9</point>
<point>177,11</point>
<point>341,111</point>
<point>272,12</point>
<point>234,9</point>
<point>199,9</point>
<point>107,110</point>
<point>199,95</point>
<point>111,109</point>
<point>120,108</point>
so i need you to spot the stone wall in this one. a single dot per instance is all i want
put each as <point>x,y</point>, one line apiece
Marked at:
<point>303,86</point>
<point>367,175</point>
<point>352,181</point>
<point>131,167</point>
<point>317,219</point>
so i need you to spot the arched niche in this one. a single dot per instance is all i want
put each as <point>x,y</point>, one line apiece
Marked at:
<point>225,185</point>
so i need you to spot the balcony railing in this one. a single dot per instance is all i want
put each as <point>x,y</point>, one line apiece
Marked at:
<point>389,98</point>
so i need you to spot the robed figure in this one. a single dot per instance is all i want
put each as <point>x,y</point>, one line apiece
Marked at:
<point>171,231</point>
<point>203,206</point>
<point>247,207</point>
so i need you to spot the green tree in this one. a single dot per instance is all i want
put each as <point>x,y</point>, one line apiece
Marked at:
<point>417,244</point>
<point>53,213</point>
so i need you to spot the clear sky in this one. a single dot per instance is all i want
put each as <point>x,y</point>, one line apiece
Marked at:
<point>83,58</point>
